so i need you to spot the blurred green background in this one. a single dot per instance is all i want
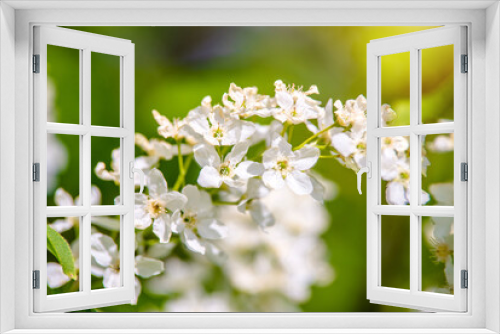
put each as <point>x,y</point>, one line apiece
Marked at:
<point>176,67</point>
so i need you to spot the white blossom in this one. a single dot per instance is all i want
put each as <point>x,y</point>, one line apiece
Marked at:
<point>158,206</point>
<point>284,166</point>
<point>246,102</point>
<point>176,129</point>
<point>196,221</point>
<point>216,125</point>
<point>295,105</point>
<point>232,171</point>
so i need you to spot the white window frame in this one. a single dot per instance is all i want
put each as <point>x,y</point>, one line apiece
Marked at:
<point>483,20</point>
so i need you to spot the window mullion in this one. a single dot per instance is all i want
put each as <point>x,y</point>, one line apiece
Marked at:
<point>86,170</point>
<point>415,95</point>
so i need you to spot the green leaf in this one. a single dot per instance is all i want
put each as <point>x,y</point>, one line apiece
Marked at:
<point>59,247</point>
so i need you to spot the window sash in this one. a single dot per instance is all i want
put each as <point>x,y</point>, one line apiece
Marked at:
<point>86,43</point>
<point>414,298</point>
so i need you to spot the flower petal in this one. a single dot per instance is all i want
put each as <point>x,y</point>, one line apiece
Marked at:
<point>270,157</point>
<point>256,189</point>
<point>248,169</point>
<point>103,249</point>
<point>156,183</point>
<point>299,183</point>
<point>95,196</point>
<point>209,177</point>
<point>174,200</point>
<point>395,194</point>
<point>142,219</point>
<point>237,153</point>
<point>206,155</point>
<point>198,201</point>
<point>144,162</point>
<point>260,214</point>
<point>273,179</point>
<point>162,228</point>
<point>284,100</point>
<point>111,278</point>
<point>63,198</point>
<point>285,148</point>
<point>443,227</point>
<point>192,242</point>
<point>110,224</point>
<point>146,267</point>
<point>177,222</point>
<point>55,275</point>
<point>344,144</point>
<point>62,225</point>
<point>305,158</point>
<point>212,229</point>
<point>443,193</point>
<point>138,289</point>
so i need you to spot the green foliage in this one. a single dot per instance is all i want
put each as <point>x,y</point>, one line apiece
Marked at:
<point>59,247</point>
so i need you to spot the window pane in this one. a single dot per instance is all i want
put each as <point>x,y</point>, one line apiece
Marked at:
<point>63,169</point>
<point>395,72</point>
<point>395,249</point>
<point>437,169</point>
<point>63,85</point>
<point>395,170</point>
<point>105,75</point>
<point>437,254</point>
<point>106,168</point>
<point>437,84</point>
<point>63,246</point>
<point>105,252</point>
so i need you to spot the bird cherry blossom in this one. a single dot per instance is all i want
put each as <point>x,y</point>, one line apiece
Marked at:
<point>232,171</point>
<point>295,105</point>
<point>284,166</point>
<point>158,206</point>
<point>196,221</point>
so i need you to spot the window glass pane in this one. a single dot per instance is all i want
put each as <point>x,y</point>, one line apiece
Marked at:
<point>395,170</point>
<point>437,84</point>
<point>437,169</point>
<point>395,81</point>
<point>105,76</point>
<point>105,252</point>
<point>395,251</point>
<point>63,255</point>
<point>63,170</point>
<point>106,168</point>
<point>63,85</point>
<point>437,254</point>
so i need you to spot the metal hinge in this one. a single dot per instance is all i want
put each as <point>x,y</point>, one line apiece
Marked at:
<point>36,279</point>
<point>465,64</point>
<point>36,63</point>
<point>464,279</point>
<point>36,172</point>
<point>464,171</point>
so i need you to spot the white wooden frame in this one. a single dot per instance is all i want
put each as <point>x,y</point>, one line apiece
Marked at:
<point>85,43</point>
<point>483,19</point>
<point>414,43</point>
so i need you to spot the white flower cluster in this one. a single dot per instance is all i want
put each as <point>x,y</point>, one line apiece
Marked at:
<point>251,173</point>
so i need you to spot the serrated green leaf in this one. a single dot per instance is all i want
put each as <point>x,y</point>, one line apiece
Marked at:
<point>59,247</point>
